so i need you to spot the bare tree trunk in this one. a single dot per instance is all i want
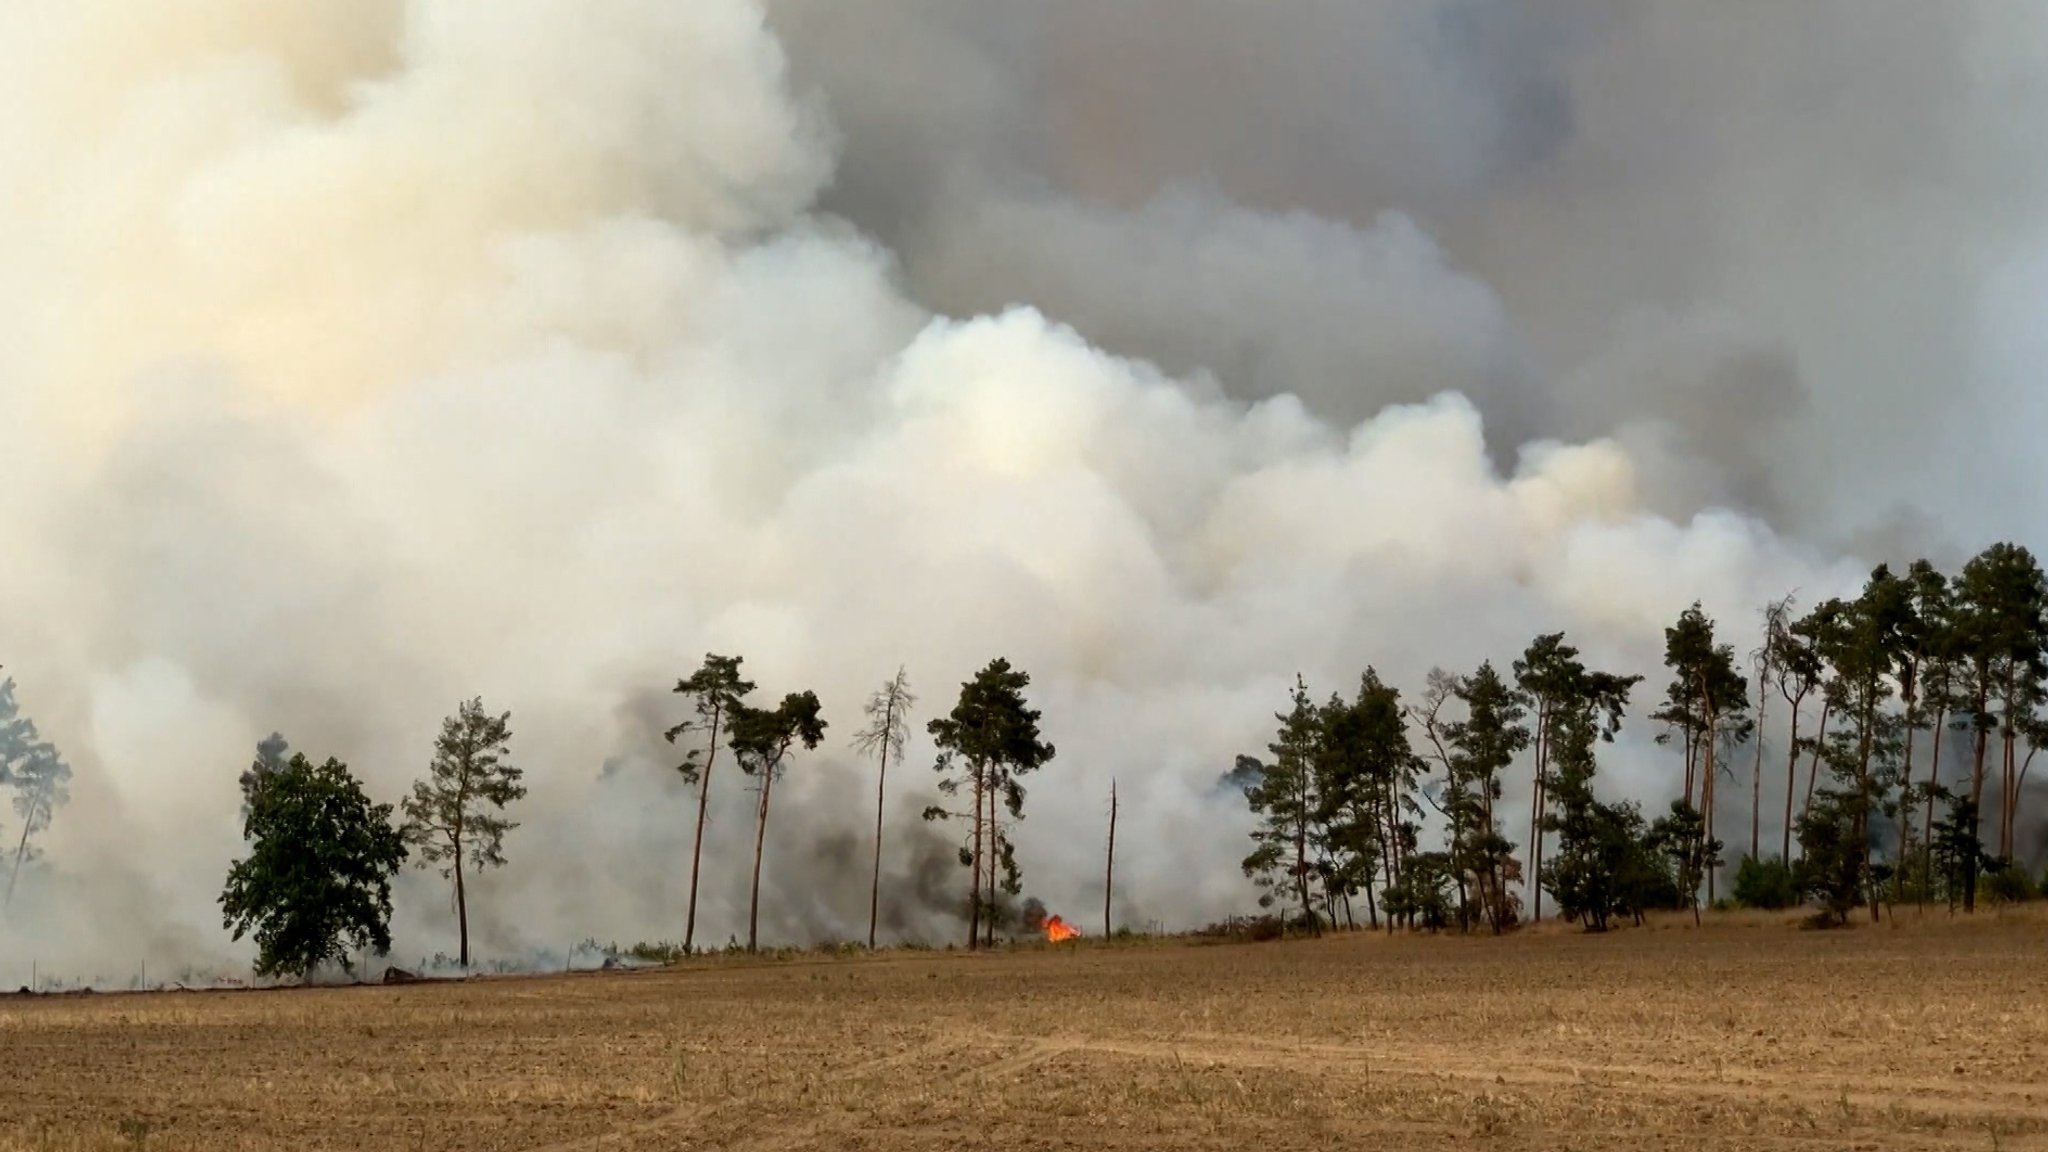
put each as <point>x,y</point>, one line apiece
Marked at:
<point>461,907</point>
<point>995,854</point>
<point>20,854</point>
<point>760,838</point>
<point>1906,795</point>
<point>1707,794</point>
<point>881,798</point>
<point>1791,778</point>
<point>1756,775</point>
<point>2008,800</point>
<point>1933,781</point>
<point>697,846</point>
<point>974,886</point>
<point>1109,870</point>
<point>1820,742</point>
<point>1691,764</point>
<point>1536,810</point>
<point>1983,741</point>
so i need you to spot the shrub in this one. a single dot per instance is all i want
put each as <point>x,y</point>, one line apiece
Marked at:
<point>1765,884</point>
<point>2007,885</point>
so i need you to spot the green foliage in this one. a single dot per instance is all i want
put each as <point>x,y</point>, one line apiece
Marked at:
<point>455,817</point>
<point>1422,894</point>
<point>1285,800</point>
<point>986,744</point>
<point>1365,774</point>
<point>1679,841</point>
<point>1598,845</point>
<point>1830,867</point>
<point>2008,885</point>
<point>1765,884</point>
<point>1707,697</point>
<point>1482,747</point>
<point>316,884</point>
<point>715,691</point>
<point>762,739</point>
<point>1957,855</point>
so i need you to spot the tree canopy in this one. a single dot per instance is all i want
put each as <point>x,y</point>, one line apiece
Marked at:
<point>316,884</point>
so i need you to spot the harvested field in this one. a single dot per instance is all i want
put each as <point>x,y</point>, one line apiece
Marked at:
<point>1746,1035</point>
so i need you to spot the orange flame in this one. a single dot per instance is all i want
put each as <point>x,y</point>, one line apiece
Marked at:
<point>1057,930</point>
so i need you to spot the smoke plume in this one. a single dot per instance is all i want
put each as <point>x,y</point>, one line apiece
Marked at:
<point>361,357</point>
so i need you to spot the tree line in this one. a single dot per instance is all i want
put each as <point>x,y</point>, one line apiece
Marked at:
<point>315,887</point>
<point>1348,785</point>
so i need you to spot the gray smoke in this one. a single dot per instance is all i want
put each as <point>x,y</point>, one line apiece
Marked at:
<point>361,358</point>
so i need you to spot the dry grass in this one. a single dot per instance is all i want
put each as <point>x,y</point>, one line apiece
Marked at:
<point>1749,1034</point>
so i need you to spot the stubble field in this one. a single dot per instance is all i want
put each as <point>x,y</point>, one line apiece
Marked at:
<point>1749,1034</point>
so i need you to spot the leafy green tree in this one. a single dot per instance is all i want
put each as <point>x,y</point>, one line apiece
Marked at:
<point>1285,800</point>
<point>762,740</point>
<point>988,741</point>
<point>316,884</point>
<point>888,711</point>
<point>1421,895</point>
<point>1482,746</point>
<point>1830,870</point>
<point>455,817</point>
<point>1706,705</point>
<point>1679,838</point>
<point>1765,884</point>
<point>715,691</point>
<point>1552,678</point>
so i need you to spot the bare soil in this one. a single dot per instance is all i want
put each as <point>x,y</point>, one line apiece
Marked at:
<point>1748,1034</point>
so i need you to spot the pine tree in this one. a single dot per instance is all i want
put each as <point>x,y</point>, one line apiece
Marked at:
<point>455,817</point>
<point>2001,628</point>
<point>1795,669</point>
<point>762,740</point>
<point>1862,648</point>
<point>1365,777</point>
<point>714,691</point>
<point>1285,801</point>
<point>985,744</point>
<point>1552,678</point>
<point>1707,706</point>
<point>1482,747</point>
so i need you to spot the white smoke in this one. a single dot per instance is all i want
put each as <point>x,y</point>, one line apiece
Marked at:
<point>369,357</point>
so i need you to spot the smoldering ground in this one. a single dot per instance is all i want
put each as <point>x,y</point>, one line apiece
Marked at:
<point>362,358</point>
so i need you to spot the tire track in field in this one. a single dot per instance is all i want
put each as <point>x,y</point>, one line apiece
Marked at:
<point>1974,1101</point>
<point>631,1135</point>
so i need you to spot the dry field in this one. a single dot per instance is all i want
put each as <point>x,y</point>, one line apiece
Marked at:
<point>1748,1034</point>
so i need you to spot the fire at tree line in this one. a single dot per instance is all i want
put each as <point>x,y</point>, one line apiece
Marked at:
<point>1906,710</point>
